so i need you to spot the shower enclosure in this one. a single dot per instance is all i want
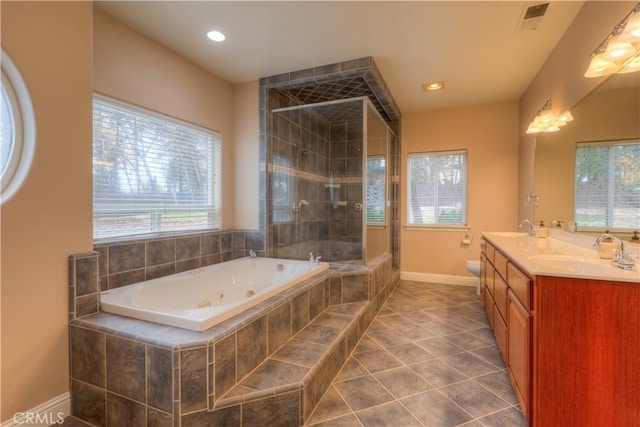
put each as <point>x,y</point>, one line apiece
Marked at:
<point>330,181</point>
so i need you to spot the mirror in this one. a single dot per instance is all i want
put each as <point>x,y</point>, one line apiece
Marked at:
<point>609,113</point>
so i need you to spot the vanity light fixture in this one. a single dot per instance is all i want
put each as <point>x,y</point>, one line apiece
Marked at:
<point>631,66</point>
<point>433,85</point>
<point>620,45</point>
<point>216,36</point>
<point>546,121</point>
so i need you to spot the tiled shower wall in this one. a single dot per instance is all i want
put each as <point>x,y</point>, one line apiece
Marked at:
<point>308,154</point>
<point>300,162</point>
<point>348,79</point>
<point>346,226</point>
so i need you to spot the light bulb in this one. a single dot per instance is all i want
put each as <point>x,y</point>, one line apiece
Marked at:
<point>631,30</point>
<point>600,66</point>
<point>565,117</point>
<point>631,66</point>
<point>618,48</point>
<point>216,36</point>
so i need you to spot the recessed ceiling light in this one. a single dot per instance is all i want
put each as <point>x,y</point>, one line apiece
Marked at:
<point>433,85</point>
<point>216,36</point>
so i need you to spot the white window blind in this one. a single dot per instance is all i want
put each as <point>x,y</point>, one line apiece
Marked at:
<point>437,186</point>
<point>607,187</point>
<point>151,173</point>
<point>376,200</point>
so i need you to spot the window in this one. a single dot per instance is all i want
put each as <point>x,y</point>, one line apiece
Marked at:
<point>282,189</point>
<point>437,186</point>
<point>151,173</point>
<point>376,199</point>
<point>607,190</point>
<point>17,130</point>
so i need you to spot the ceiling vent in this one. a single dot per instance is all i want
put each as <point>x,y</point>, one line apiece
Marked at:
<point>531,16</point>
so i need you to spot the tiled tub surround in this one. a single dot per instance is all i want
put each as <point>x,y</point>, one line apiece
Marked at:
<point>255,368</point>
<point>112,265</point>
<point>124,263</point>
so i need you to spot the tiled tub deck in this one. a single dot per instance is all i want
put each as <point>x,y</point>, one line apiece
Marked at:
<point>267,366</point>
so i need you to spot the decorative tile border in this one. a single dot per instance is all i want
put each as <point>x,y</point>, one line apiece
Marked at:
<point>296,173</point>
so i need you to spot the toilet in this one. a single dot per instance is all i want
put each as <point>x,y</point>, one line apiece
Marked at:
<point>473,266</point>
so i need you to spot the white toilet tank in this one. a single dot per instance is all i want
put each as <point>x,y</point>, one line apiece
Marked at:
<point>473,266</point>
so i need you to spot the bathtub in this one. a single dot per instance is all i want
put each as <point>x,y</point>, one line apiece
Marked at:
<point>201,298</point>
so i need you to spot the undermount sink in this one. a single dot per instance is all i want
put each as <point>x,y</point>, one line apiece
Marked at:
<point>569,264</point>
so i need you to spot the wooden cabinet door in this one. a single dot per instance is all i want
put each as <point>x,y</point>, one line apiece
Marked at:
<point>489,307</point>
<point>483,276</point>
<point>500,331</point>
<point>519,351</point>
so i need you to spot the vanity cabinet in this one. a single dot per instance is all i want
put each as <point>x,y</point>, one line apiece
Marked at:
<point>571,345</point>
<point>507,304</point>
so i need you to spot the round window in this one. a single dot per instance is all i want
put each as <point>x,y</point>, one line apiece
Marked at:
<point>17,130</point>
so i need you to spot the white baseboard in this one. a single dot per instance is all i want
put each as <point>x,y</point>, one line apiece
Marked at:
<point>444,279</point>
<point>49,413</point>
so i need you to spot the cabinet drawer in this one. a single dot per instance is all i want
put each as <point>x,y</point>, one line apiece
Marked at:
<point>490,278</point>
<point>501,264</point>
<point>489,251</point>
<point>500,332</point>
<point>500,296</point>
<point>520,285</point>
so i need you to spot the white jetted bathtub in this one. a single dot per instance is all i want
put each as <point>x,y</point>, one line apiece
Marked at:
<point>201,298</point>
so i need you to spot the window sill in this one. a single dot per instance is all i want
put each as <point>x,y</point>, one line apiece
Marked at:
<point>136,238</point>
<point>376,226</point>
<point>434,227</point>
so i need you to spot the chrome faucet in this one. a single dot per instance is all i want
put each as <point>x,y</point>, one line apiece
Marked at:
<point>252,254</point>
<point>532,227</point>
<point>620,259</point>
<point>313,260</point>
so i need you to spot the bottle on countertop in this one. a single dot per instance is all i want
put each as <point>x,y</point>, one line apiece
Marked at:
<point>542,231</point>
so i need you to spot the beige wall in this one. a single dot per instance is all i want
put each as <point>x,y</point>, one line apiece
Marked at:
<point>490,134</point>
<point>49,218</point>
<point>562,80</point>
<point>132,68</point>
<point>246,150</point>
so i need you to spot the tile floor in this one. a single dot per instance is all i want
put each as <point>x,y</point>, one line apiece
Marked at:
<point>428,359</point>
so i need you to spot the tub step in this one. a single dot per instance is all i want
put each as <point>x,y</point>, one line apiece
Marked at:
<point>304,367</point>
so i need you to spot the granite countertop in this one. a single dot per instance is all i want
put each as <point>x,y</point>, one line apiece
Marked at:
<point>562,254</point>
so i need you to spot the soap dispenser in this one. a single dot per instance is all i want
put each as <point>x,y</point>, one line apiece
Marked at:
<point>542,231</point>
